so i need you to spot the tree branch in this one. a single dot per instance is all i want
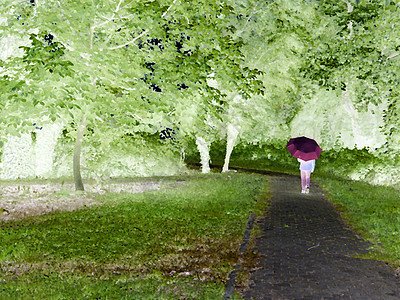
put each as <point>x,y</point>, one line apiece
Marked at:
<point>130,42</point>
<point>109,19</point>
<point>91,30</point>
<point>107,40</point>
<point>165,13</point>
<point>118,6</point>
<point>393,55</point>
<point>143,33</point>
<point>350,25</point>
<point>127,4</point>
<point>349,6</point>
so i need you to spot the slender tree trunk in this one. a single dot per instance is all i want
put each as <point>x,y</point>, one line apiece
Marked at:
<point>232,136</point>
<point>204,149</point>
<point>77,156</point>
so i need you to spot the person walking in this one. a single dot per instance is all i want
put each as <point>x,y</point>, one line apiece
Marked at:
<point>306,168</point>
<point>306,151</point>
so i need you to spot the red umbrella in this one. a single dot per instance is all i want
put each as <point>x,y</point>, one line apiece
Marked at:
<point>304,148</point>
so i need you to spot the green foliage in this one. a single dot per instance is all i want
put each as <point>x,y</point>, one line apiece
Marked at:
<point>119,154</point>
<point>360,164</point>
<point>129,68</point>
<point>274,34</point>
<point>268,156</point>
<point>337,162</point>
<point>134,68</point>
<point>351,52</point>
<point>172,55</point>
<point>47,54</point>
<point>134,241</point>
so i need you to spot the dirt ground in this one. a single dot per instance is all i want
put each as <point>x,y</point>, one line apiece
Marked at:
<point>18,200</point>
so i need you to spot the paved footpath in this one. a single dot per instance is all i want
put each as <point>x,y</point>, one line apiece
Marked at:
<point>307,252</point>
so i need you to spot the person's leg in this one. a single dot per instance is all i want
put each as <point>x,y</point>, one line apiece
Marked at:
<point>303,180</point>
<point>308,176</point>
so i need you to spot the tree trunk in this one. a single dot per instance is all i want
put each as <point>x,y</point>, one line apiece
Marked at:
<point>204,149</point>
<point>232,135</point>
<point>77,156</point>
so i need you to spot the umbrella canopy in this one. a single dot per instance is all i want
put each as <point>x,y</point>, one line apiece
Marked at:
<point>304,148</point>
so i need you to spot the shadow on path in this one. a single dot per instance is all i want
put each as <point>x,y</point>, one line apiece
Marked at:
<point>307,252</point>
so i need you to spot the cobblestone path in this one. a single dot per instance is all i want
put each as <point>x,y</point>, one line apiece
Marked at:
<point>307,252</point>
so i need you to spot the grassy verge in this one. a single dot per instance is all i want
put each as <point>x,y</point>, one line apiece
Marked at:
<point>168,244</point>
<point>373,211</point>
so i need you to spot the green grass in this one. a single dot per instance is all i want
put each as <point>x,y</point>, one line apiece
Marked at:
<point>55,286</point>
<point>174,243</point>
<point>373,211</point>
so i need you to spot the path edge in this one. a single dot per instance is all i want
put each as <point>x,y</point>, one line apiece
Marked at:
<point>230,284</point>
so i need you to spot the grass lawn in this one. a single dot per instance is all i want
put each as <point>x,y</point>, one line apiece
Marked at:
<point>174,243</point>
